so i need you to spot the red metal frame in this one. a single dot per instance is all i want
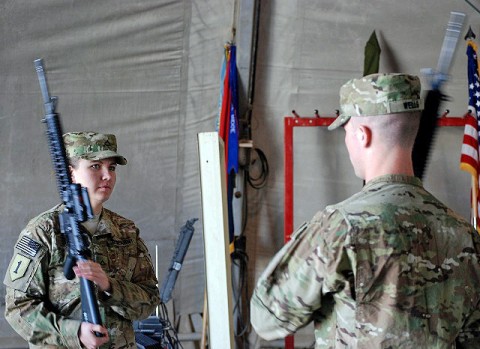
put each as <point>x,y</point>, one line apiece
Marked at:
<point>290,122</point>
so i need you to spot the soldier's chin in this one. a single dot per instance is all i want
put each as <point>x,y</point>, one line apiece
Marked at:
<point>104,194</point>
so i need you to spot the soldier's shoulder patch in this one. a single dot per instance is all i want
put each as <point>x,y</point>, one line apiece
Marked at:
<point>19,266</point>
<point>27,256</point>
<point>28,246</point>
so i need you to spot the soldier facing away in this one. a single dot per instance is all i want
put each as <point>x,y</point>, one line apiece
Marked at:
<point>389,267</point>
<point>42,305</point>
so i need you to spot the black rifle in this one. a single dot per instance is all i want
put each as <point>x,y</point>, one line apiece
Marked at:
<point>156,332</point>
<point>76,202</point>
<point>434,97</point>
<point>181,247</point>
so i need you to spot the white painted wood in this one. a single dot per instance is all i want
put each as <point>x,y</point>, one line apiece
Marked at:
<point>216,240</point>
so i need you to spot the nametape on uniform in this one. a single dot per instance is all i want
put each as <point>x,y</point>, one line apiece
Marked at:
<point>28,246</point>
<point>123,242</point>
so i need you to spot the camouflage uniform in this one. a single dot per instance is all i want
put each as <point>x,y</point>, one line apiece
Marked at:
<point>43,306</point>
<point>390,267</point>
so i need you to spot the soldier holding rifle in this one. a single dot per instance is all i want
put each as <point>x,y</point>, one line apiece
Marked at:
<point>42,304</point>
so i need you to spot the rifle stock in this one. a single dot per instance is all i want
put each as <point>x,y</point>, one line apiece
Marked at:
<point>77,208</point>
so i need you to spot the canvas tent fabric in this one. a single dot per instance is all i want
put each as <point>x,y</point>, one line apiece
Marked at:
<point>149,72</point>
<point>119,67</point>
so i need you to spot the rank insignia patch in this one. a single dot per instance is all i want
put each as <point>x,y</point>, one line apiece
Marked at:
<point>28,246</point>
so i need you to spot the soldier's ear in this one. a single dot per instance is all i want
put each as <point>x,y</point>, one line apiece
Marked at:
<point>364,135</point>
<point>72,173</point>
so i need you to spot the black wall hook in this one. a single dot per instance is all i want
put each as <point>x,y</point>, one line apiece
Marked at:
<point>470,34</point>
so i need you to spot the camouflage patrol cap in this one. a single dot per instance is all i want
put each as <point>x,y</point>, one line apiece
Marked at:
<point>92,146</point>
<point>378,94</point>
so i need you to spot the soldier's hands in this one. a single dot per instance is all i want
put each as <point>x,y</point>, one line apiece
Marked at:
<point>87,336</point>
<point>93,271</point>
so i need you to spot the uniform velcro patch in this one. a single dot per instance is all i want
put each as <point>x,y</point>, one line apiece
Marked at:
<point>28,246</point>
<point>19,267</point>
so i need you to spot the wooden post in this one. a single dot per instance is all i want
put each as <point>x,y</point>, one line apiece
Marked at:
<point>216,240</point>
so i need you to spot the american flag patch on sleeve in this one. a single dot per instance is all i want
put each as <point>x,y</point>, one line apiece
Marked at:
<point>28,246</point>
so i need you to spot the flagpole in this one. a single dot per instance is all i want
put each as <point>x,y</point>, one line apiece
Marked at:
<point>470,36</point>
<point>203,342</point>
<point>474,203</point>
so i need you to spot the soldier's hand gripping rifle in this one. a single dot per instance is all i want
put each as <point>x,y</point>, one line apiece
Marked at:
<point>75,199</point>
<point>428,121</point>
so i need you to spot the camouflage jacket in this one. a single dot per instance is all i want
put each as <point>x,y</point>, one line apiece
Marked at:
<point>390,267</point>
<point>44,307</point>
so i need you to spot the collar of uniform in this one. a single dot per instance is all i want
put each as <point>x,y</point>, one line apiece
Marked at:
<point>92,224</point>
<point>393,178</point>
<point>103,229</point>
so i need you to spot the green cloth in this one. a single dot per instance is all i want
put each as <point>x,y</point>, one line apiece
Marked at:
<point>372,55</point>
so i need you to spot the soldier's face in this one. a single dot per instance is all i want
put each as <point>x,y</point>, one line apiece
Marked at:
<point>98,176</point>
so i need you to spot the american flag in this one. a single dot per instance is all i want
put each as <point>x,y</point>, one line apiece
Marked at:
<point>28,246</point>
<point>469,160</point>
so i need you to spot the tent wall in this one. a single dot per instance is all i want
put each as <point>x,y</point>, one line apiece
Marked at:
<point>148,71</point>
<point>306,51</point>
